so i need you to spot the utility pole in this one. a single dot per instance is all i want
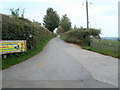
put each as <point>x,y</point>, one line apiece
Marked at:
<point>87,14</point>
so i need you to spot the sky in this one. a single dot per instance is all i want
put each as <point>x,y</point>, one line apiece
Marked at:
<point>103,14</point>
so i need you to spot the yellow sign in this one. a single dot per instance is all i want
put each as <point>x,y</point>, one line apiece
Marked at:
<point>12,46</point>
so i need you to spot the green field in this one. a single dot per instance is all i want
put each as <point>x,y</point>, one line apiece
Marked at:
<point>107,47</point>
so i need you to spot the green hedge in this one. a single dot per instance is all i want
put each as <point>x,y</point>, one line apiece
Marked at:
<point>16,28</point>
<point>80,36</point>
<point>20,29</point>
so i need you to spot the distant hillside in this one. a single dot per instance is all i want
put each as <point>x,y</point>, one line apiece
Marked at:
<point>109,38</point>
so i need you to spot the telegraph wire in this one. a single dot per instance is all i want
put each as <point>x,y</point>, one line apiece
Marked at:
<point>79,13</point>
<point>93,17</point>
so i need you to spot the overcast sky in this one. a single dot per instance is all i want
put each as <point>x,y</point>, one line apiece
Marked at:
<point>103,14</point>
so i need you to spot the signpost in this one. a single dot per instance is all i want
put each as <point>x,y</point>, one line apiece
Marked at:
<point>12,46</point>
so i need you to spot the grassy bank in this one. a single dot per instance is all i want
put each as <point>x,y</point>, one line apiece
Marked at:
<point>113,53</point>
<point>17,28</point>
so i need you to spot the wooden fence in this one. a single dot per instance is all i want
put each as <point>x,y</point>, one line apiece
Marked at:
<point>105,44</point>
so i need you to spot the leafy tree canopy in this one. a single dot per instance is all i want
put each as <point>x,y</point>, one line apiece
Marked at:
<point>16,12</point>
<point>65,23</point>
<point>51,19</point>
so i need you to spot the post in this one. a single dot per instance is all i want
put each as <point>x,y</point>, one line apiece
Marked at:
<point>87,14</point>
<point>4,56</point>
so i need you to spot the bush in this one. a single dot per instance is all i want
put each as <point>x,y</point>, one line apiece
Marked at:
<point>80,36</point>
<point>15,28</point>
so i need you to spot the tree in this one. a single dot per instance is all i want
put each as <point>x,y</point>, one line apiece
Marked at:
<point>22,15</point>
<point>16,12</point>
<point>36,22</point>
<point>94,32</point>
<point>65,23</point>
<point>51,19</point>
<point>60,30</point>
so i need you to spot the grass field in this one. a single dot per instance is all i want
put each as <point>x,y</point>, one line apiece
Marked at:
<point>106,47</point>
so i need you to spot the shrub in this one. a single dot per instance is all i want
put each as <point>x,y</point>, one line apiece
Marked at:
<point>21,29</point>
<point>15,28</point>
<point>80,36</point>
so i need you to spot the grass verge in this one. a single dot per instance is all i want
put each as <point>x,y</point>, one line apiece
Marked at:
<point>20,57</point>
<point>108,47</point>
<point>112,53</point>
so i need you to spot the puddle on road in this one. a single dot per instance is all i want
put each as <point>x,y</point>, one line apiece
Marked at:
<point>41,64</point>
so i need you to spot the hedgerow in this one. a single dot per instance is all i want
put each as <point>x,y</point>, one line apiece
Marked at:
<point>80,36</point>
<point>18,28</point>
<point>15,28</point>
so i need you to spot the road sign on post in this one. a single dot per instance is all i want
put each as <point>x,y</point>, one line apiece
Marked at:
<point>12,46</point>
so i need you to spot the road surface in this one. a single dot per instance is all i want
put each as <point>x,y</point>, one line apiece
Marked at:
<point>63,65</point>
